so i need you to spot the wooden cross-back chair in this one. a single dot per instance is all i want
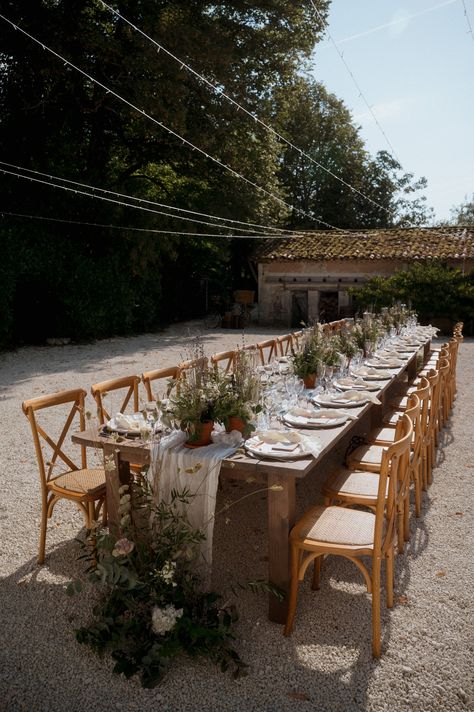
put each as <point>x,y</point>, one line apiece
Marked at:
<point>284,345</point>
<point>100,390</point>
<point>267,350</point>
<point>77,483</point>
<point>153,393</point>
<point>358,484</point>
<point>353,533</point>
<point>224,361</point>
<point>297,339</point>
<point>200,362</point>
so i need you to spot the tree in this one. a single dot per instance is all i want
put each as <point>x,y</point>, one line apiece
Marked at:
<point>320,124</point>
<point>463,214</point>
<point>55,120</point>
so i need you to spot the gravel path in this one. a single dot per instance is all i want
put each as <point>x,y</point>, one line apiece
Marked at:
<point>326,665</point>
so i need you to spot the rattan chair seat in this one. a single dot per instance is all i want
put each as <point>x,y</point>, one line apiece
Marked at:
<point>367,455</point>
<point>87,481</point>
<point>337,525</point>
<point>352,482</point>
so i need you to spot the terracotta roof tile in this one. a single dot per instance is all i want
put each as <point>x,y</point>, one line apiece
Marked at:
<point>455,243</point>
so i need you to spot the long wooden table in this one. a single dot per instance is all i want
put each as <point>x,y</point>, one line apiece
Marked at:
<point>279,477</point>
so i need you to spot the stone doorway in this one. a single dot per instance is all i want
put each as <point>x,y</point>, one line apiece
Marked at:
<point>299,308</point>
<point>328,306</point>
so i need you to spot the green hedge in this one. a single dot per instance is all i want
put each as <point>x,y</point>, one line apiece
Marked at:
<point>437,292</point>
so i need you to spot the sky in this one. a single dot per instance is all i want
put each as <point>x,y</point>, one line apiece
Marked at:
<point>414,62</point>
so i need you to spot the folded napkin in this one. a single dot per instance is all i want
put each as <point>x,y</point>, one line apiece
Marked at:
<point>120,421</point>
<point>357,381</point>
<point>284,442</point>
<point>234,438</point>
<point>389,354</point>
<point>319,416</point>
<point>368,371</point>
<point>354,397</point>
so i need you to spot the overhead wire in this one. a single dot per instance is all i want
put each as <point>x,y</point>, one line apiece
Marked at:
<point>221,93</point>
<point>120,202</point>
<point>356,84</point>
<point>185,141</point>
<point>467,20</point>
<point>145,200</point>
<point>138,229</point>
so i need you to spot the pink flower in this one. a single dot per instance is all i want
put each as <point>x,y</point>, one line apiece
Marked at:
<point>123,547</point>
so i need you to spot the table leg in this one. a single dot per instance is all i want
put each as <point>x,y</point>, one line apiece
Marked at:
<point>117,473</point>
<point>281,517</point>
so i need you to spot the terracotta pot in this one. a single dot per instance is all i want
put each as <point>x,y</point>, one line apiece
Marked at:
<point>235,423</point>
<point>309,381</point>
<point>199,434</point>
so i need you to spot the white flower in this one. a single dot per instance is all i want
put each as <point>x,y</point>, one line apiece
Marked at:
<point>168,571</point>
<point>164,619</point>
<point>123,547</point>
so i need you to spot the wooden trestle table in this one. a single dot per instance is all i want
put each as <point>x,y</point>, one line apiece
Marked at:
<point>281,499</point>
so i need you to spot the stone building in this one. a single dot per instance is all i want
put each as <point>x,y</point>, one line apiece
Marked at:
<point>308,277</point>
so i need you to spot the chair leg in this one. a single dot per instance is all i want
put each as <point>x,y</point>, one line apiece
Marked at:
<point>104,512</point>
<point>389,577</point>
<point>401,528</point>
<point>44,523</point>
<point>295,559</point>
<point>317,573</point>
<point>376,643</point>
<point>417,480</point>
<point>406,517</point>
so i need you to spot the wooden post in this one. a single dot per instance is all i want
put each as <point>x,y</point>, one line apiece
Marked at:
<point>281,517</point>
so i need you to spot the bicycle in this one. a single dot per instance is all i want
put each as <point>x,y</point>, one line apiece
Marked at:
<point>214,317</point>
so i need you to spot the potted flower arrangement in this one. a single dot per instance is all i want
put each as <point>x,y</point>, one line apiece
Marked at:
<point>238,400</point>
<point>192,406</point>
<point>366,332</point>
<point>307,363</point>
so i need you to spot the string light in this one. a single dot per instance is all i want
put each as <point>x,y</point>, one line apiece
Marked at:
<point>468,20</point>
<point>149,202</point>
<point>139,229</point>
<point>120,202</point>
<point>220,92</point>
<point>356,83</point>
<point>235,173</point>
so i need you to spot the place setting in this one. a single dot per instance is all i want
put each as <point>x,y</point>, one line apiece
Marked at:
<point>369,373</point>
<point>349,399</point>
<point>346,383</point>
<point>283,445</point>
<point>315,418</point>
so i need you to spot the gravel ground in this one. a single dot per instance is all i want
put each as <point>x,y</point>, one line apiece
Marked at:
<point>326,665</point>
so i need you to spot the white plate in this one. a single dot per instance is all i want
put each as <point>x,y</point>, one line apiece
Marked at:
<point>334,421</point>
<point>121,431</point>
<point>327,402</point>
<point>393,363</point>
<point>400,355</point>
<point>380,376</point>
<point>252,446</point>
<point>356,387</point>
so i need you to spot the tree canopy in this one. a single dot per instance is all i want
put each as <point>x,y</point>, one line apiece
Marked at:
<point>58,278</point>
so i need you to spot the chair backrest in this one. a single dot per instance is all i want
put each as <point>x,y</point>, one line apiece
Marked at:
<point>267,351</point>
<point>171,374</point>
<point>284,345</point>
<point>297,340</point>
<point>413,410</point>
<point>199,363</point>
<point>435,384</point>
<point>223,361</point>
<point>100,390</point>
<point>55,444</point>
<point>423,393</point>
<point>394,471</point>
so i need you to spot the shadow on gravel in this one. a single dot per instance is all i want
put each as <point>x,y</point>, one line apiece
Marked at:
<point>93,357</point>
